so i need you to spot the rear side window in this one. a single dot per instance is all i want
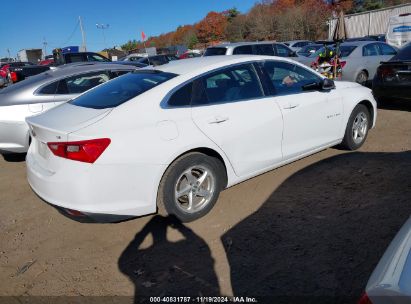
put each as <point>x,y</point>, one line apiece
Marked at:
<point>403,54</point>
<point>215,51</point>
<point>386,49</point>
<point>265,49</point>
<point>181,97</point>
<point>50,88</point>
<point>122,89</point>
<point>243,50</point>
<point>229,85</point>
<point>75,58</point>
<point>81,83</point>
<point>346,50</point>
<point>282,51</point>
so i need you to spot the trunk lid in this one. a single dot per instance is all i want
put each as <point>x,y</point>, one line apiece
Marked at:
<point>54,126</point>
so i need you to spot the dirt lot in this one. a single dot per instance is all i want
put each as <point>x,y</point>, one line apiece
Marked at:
<point>316,227</point>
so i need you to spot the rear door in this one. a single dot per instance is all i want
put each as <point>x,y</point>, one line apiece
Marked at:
<point>372,57</point>
<point>230,107</point>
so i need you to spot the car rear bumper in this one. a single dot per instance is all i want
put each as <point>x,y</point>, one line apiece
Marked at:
<point>14,136</point>
<point>391,92</point>
<point>95,189</point>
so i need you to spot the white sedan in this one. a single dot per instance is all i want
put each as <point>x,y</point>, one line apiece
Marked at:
<point>175,136</point>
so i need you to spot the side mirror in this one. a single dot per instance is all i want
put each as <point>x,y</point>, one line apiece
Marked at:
<point>327,84</point>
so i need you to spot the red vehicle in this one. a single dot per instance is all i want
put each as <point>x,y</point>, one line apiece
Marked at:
<point>189,54</point>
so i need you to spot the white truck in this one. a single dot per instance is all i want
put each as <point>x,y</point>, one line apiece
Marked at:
<point>30,55</point>
<point>399,30</point>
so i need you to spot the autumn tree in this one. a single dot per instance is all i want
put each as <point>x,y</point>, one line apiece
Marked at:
<point>211,28</point>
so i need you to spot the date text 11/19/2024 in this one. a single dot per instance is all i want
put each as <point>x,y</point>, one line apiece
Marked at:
<point>203,299</point>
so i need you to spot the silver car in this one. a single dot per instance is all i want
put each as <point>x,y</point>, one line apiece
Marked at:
<point>296,45</point>
<point>251,48</point>
<point>41,92</point>
<point>360,59</point>
<point>391,280</point>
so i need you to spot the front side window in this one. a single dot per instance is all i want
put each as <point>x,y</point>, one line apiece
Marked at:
<point>288,78</point>
<point>122,89</point>
<point>243,50</point>
<point>371,50</point>
<point>81,83</point>
<point>230,84</point>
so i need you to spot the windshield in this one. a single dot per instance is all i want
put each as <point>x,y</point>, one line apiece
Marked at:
<point>121,89</point>
<point>215,51</point>
<point>403,54</point>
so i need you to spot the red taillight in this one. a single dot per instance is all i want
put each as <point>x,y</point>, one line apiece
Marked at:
<point>13,76</point>
<point>343,63</point>
<point>386,72</point>
<point>364,299</point>
<point>87,151</point>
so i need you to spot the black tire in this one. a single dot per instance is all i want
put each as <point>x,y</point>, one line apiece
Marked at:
<point>169,204</point>
<point>362,78</point>
<point>349,142</point>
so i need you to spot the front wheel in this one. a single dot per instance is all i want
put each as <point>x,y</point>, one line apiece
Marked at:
<point>191,185</point>
<point>357,128</point>
<point>362,78</point>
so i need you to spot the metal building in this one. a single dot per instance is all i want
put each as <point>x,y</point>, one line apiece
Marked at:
<point>369,23</point>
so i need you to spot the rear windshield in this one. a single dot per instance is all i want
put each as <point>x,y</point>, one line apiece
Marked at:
<point>215,51</point>
<point>403,54</point>
<point>121,89</point>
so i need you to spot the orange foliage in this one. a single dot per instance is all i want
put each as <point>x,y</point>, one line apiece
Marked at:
<point>212,27</point>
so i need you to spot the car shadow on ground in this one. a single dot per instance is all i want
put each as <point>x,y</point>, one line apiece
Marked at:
<point>14,157</point>
<point>169,268</point>
<point>398,105</point>
<point>319,236</point>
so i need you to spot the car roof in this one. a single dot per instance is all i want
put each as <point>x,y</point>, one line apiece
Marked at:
<point>200,65</point>
<point>360,43</point>
<point>234,44</point>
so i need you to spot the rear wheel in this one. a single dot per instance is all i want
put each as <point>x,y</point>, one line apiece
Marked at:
<point>357,128</point>
<point>191,185</point>
<point>362,77</point>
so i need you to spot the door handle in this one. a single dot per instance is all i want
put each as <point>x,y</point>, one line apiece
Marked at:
<point>218,119</point>
<point>291,107</point>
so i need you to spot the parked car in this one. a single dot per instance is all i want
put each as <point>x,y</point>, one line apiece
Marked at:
<point>296,45</point>
<point>251,48</point>
<point>64,58</point>
<point>176,135</point>
<point>390,281</point>
<point>360,59</point>
<point>393,77</point>
<point>42,92</point>
<point>17,74</point>
<point>308,50</point>
<point>7,68</point>
<point>157,59</point>
<point>132,57</point>
<point>189,54</point>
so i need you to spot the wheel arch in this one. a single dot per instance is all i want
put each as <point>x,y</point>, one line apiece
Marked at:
<point>370,108</point>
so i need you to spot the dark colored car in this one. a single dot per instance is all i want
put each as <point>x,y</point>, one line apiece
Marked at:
<point>63,58</point>
<point>393,78</point>
<point>11,72</point>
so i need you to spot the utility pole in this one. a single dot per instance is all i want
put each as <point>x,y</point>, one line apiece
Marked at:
<point>83,36</point>
<point>44,48</point>
<point>8,52</point>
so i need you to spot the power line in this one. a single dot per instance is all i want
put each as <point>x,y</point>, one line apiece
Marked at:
<point>72,34</point>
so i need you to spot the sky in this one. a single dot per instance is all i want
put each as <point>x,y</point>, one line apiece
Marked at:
<point>56,22</point>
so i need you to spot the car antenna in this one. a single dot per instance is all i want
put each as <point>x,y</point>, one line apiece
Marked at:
<point>143,37</point>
